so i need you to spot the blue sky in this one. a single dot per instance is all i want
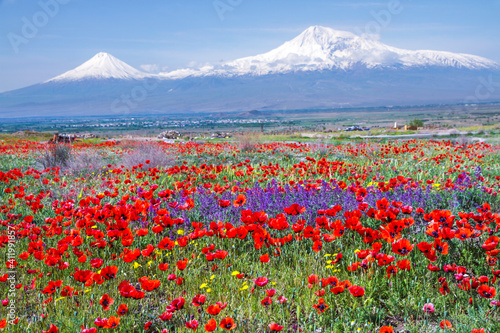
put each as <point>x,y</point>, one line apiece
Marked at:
<point>174,34</point>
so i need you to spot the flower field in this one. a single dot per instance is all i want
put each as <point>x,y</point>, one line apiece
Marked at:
<point>361,237</point>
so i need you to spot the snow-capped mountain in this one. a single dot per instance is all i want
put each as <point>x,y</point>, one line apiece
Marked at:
<point>321,68</point>
<point>321,48</point>
<point>101,66</point>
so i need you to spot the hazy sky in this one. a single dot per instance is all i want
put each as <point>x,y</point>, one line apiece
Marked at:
<point>42,39</point>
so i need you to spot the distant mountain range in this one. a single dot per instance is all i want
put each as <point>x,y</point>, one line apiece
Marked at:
<point>321,68</point>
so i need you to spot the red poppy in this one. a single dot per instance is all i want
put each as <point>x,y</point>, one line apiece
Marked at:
<point>166,316</point>
<point>106,301</point>
<point>198,300</point>
<point>223,204</point>
<point>264,258</point>
<point>445,324</point>
<point>261,281</point>
<point>392,270</point>
<point>214,310</point>
<point>441,247</point>
<point>52,329</point>
<point>295,209</point>
<point>112,322</point>
<point>240,200</point>
<point>313,279</point>
<point>320,293</point>
<point>486,291</point>
<point>444,290</point>
<point>491,243</point>
<point>270,292</point>
<point>402,247</point>
<point>266,301</point>
<point>227,324</point>
<point>321,306</point>
<point>404,265</point>
<point>275,327</point>
<point>386,329</point>
<point>182,264</point>
<point>177,304</point>
<point>192,324</point>
<point>211,325</point>
<point>122,310</point>
<point>357,291</point>
<point>428,307</point>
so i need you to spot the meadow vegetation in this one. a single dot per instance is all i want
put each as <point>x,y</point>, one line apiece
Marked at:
<point>331,236</point>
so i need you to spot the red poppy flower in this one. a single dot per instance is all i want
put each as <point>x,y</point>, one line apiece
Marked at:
<point>261,281</point>
<point>392,270</point>
<point>353,267</point>
<point>444,290</point>
<point>428,307</point>
<point>150,285</point>
<point>275,327</point>
<point>264,258</point>
<point>266,301</point>
<point>223,204</point>
<point>445,324</point>
<point>227,324</point>
<point>192,324</point>
<point>112,322</point>
<point>404,265</point>
<point>486,291</point>
<point>321,306</point>
<point>295,209</point>
<point>270,292</point>
<point>402,247</point>
<point>106,301</point>
<point>240,200</point>
<point>166,316</point>
<point>147,325</point>
<point>386,329</point>
<point>198,300</point>
<point>122,310</point>
<point>313,279</point>
<point>441,247</point>
<point>357,291</point>
<point>433,268</point>
<point>177,304</point>
<point>214,310</point>
<point>320,293</point>
<point>52,329</point>
<point>491,243</point>
<point>182,264</point>
<point>211,325</point>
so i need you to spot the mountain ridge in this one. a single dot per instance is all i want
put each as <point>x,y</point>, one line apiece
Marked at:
<point>321,68</point>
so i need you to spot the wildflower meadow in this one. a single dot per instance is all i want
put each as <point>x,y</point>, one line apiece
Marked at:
<point>386,237</point>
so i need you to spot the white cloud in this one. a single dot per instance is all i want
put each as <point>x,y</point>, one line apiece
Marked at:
<point>150,68</point>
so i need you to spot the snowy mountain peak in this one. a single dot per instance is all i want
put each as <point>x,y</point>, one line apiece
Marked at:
<point>323,35</point>
<point>101,66</point>
<point>321,48</point>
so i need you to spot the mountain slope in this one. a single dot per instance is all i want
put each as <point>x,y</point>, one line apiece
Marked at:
<point>101,66</point>
<point>321,48</point>
<point>320,68</point>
